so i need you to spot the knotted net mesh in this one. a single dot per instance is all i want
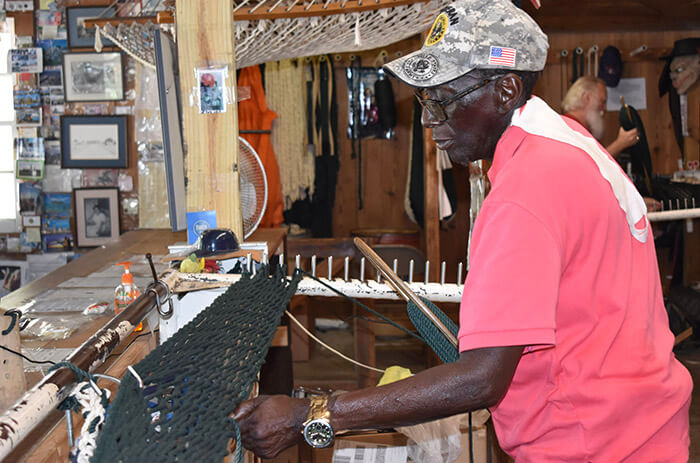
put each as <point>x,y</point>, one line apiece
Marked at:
<point>265,40</point>
<point>194,381</point>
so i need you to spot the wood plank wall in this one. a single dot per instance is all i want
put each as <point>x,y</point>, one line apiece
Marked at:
<point>656,118</point>
<point>385,161</point>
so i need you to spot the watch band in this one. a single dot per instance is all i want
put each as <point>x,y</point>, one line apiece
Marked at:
<point>318,408</point>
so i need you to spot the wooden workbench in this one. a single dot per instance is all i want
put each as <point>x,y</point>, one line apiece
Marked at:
<point>48,442</point>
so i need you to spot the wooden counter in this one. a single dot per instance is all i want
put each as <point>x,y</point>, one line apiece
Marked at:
<point>48,442</point>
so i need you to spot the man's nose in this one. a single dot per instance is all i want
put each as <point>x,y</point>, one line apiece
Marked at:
<point>428,120</point>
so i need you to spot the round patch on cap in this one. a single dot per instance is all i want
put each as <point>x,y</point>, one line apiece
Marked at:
<point>421,67</point>
<point>437,32</point>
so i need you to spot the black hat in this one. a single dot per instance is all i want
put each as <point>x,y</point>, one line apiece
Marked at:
<point>216,241</point>
<point>610,69</point>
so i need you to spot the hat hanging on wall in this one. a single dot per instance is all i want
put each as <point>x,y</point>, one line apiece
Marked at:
<point>610,69</point>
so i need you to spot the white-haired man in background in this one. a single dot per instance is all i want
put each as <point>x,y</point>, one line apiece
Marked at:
<point>585,103</point>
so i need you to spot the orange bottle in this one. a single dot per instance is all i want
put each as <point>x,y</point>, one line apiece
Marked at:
<point>126,292</point>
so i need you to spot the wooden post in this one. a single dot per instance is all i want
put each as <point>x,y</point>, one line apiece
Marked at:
<point>12,382</point>
<point>432,200</point>
<point>205,37</point>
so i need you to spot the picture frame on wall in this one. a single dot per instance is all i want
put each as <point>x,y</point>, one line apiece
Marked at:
<point>80,36</point>
<point>29,169</point>
<point>91,76</point>
<point>13,274</point>
<point>96,216</point>
<point>93,142</point>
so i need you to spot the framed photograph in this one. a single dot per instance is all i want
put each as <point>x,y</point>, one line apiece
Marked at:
<point>96,216</point>
<point>92,76</point>
<point>30,169</point>
<point>81,36</point>
<point>12,274</point>
<point>93,142</point>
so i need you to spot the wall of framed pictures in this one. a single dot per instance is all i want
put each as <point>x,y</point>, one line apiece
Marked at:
<point>74,117</point>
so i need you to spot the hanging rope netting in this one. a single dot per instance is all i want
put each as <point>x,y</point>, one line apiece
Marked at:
<point>264,40</point>
<point>176,405</point>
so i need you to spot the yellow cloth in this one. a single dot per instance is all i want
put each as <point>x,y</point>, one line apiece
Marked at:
<point>394,373</point>
<point>192,265</point>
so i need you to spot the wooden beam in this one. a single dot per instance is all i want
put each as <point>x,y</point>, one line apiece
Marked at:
<point>163,17</point>
<point>205,37</point>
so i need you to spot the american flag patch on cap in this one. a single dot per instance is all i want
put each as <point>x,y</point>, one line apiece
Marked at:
<point>502,56</point>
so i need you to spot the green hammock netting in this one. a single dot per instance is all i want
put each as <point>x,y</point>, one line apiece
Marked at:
<point>194,381</point>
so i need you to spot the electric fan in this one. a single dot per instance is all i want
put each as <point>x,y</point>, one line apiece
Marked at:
<point>253,187</point>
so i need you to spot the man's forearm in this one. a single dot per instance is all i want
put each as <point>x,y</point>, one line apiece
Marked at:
<point>475,381</point>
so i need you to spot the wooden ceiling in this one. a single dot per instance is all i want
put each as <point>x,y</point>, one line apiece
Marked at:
<point>612,15</point>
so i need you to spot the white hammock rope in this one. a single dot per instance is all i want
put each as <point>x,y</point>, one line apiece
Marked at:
<point>92,409</point>
<point>264,40</point>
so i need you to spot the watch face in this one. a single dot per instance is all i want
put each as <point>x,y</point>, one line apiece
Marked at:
<point>318,433</point>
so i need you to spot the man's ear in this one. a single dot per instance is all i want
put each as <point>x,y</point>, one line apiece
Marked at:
<point>509,88</point>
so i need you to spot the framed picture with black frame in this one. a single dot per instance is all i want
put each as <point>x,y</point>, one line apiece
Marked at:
<point>80,36</point>
<point>90,76</point>
<point>96,216</point>
<point>94,142</point>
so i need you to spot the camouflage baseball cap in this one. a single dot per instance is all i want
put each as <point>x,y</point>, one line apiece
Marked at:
<point>474,34</point>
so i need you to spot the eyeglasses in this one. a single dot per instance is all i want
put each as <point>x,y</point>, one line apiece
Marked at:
<point>437,108</point>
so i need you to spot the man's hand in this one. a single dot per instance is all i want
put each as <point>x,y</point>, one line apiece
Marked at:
<point>627,138</point>
<point>270,424</point>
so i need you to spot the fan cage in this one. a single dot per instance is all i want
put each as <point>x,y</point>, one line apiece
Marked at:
<point>247,164</point>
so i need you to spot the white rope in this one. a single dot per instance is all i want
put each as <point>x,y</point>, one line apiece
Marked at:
<point>284,94</point>
<point>91,404</point>
<point>260,41</point>
<point>303,328</point>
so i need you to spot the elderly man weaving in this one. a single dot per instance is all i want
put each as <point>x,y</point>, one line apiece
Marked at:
<point>563,332</point>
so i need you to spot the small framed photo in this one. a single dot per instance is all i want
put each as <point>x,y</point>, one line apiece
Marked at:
<point>96,216</point>
<point>13,275</point>
<point>26,60</point>
<point>211,83</point>
<point>93,142</point>
<point>81,36</point>
<point>30,169</point>
<point>92,76</point>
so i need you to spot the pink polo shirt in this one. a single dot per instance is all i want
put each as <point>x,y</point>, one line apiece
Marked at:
<point>554,267</point>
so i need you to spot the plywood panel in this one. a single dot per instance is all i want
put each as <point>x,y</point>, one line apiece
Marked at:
<point>205,38</point>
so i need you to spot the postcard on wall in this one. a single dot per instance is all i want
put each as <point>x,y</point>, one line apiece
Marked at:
<point>53,50</point>
<point>30,169</point>
<point>29,117</point>
<point>29,199</point>
<point>211,83</point>
<point>57,204</point>
<point>19,5</point>
<point>27,98</point>
<point>52,152</point>
<point>26,60</point>
<point>30,148</point>
<point>52,76</point>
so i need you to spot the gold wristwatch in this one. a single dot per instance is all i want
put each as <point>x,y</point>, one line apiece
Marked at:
<point>317,429</point>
